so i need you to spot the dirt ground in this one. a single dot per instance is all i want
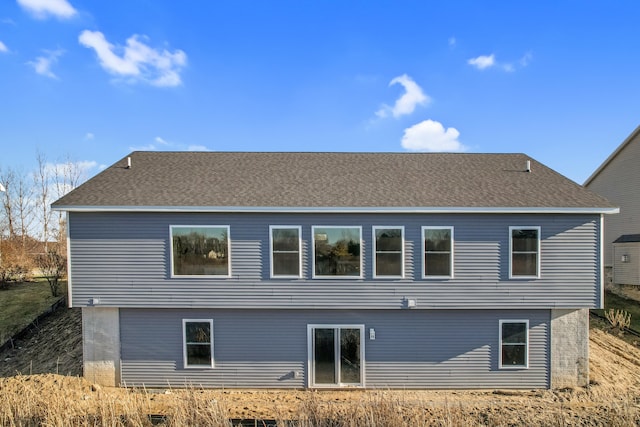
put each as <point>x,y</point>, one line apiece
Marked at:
<point>55,346</point>
<point>626,291</point>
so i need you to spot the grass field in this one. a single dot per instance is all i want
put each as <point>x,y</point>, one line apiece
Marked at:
<point>22,303</point>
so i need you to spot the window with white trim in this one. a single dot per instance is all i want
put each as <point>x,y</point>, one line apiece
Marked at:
<point>514,344</point>
<point>336,251</point>
<point>197,341</point>
<point>524,244</point>
<point>200,250</point>
<point>286,254</point>
<point>437,249</point>
<point>388,248</point>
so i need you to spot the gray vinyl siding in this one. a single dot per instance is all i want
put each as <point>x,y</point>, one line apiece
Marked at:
<point>263,348</point>
<point>123,259</point>
<point>619,182</point>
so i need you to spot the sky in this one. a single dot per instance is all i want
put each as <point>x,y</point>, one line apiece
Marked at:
<point>92,81</point>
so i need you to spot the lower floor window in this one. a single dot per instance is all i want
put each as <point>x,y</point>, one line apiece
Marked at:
<point>198,343</point>
<point>514,343</point>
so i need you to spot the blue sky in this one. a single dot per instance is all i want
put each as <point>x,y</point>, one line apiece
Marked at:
<point>94,80</point>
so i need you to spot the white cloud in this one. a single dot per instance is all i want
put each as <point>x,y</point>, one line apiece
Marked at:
<point>526,59</point>
<point>86,165</point>
<point>452,41</point>
<point>488,61</point>
<point>407,103</point>
<point>148,147</point>
<point>161,144</point>
<point>76,168</point>
<point>81,165</point>
<point>89,136</point>
<point>42,64</point>
<point>431,136</point>
<point>65,176</point>
<point>136,61</point>
<point>197,148</point>
<point>3,47</point>
<point>483,61</point>
<point>42,9</point>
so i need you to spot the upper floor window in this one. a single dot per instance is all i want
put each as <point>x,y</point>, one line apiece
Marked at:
<point>388,248</point>
<point>437,247</point>
<point>197,343</point>
<point>336,251</point>
<point>286,256</point>
<point>200,250</point>
<point>514,344</point>
<point>525,251</point>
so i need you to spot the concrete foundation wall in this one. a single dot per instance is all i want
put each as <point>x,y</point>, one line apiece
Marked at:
<point>569,348</point>
<point>101,345</point>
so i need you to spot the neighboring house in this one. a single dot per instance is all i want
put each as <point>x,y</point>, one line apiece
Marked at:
<point>626,259</point>
<point>294,270</point>
<point>618,179</point>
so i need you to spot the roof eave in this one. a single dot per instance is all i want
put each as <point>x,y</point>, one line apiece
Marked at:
<point>340,209</point>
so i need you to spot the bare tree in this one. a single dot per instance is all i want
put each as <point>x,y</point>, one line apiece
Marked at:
<point>53,266</point>
<point>67,176</point>
<point>27,225</point>
<point>42,181</point>
<point>7,179</point>
<point>24,207</point>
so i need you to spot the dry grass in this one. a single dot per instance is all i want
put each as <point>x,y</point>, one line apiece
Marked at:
<point>618,318</point>
<point>612,400</point>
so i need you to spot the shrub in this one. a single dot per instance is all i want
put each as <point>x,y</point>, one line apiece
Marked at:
<point>620,319</point>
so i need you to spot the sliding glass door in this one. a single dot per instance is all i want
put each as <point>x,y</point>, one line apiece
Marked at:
<point>336,355</point>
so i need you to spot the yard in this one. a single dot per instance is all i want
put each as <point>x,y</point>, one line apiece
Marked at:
<point>22,303</point>
<point>611,399</point>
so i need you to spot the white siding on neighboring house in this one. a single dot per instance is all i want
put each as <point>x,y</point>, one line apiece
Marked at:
<point>618,179</point>
<point>626,263</point>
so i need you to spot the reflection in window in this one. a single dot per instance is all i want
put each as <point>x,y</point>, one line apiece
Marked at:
<point>388,248</point>
<point>198,343</point>
<point>285,251</point>
<point>438,243</point>
<point>513,343</point>
<point>337,251</point>
<point>525,247</point>
<point>200,250</point>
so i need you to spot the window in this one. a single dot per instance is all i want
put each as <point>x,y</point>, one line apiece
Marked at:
<point>525,251</point>
<point>200,250</point>
<point>336,251</point>
<point>514,344</point>
<point>437,245</point>
<point>286,256</point>
<point>388,244</point>
<point>198,343</point>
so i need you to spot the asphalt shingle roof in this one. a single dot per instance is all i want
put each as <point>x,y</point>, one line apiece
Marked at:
<point>317,180</point>
<point>628,238</point>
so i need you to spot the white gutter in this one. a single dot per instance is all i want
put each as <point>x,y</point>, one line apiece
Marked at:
<point>280,209</point>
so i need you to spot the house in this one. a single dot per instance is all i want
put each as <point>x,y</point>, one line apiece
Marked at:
<point>293,270</point>
<point>626,259</point>
<point>618,179</point>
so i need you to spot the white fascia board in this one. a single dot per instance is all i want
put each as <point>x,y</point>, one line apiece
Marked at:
<point>316,209</point>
